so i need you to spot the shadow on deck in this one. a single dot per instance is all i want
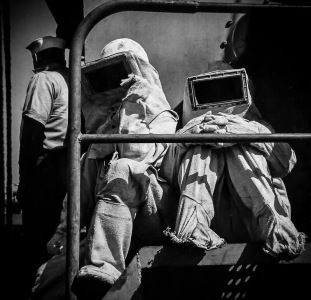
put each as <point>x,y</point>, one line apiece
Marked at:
<point>235,271</point>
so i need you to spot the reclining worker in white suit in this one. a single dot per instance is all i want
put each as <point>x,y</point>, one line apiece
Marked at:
<point>119,182</point>
<point>227,189</point>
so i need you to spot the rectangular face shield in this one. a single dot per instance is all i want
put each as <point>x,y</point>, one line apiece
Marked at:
<point>105,74</point>
<point>218,89</point>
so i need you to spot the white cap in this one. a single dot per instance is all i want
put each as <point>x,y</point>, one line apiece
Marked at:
<point>46,42</point>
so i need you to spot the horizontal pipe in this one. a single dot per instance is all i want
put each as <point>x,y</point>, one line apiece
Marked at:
<point>187,138</point>
<point>191,7</point>
<point>245,8</point>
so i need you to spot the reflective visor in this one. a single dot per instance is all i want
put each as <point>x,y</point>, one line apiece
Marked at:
<point>105,74</point>
<point>218,89</point>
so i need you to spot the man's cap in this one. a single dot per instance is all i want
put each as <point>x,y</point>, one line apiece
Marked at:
<point>46,42</point>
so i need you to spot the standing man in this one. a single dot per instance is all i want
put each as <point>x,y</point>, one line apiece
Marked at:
<point>43,154</point>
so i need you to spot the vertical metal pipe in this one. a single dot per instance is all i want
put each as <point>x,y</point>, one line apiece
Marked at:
<point>74,150</point>
<point>7,57</point>
<point>2,142</point>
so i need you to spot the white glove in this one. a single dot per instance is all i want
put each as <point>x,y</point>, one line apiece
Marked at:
<point>207,123</point>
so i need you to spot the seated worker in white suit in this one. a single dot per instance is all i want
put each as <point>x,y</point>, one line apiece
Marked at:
<point>122,196</point>
<point>230,191</point>
<point>120,181</point>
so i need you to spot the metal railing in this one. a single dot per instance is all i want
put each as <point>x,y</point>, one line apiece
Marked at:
<point>96,15</point>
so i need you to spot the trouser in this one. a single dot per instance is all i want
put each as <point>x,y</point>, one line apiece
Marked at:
<point>268,203</point>
<point>241,174</point>
<point>41,202</point>
<point>132,192</point>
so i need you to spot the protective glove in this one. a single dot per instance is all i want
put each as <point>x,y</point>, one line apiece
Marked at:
<point>206,123</point>
<point>138,88</point>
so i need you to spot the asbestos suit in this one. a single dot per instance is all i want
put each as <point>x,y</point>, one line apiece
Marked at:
<point>119,182</point>
<point>232,192</point>
<point>126,184</point>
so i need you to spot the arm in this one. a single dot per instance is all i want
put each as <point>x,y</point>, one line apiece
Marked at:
<point>165,123</point>
<point>145,110</point>
<point>176,151</point>
<point>280,156</point>
<point>31,152</point>
<point>36,111</point>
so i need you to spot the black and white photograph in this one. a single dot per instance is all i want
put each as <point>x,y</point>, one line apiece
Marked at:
<point>155,149</point>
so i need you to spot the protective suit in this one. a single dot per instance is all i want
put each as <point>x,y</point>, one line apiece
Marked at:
<point>122,196</point>
<point>231,192</point>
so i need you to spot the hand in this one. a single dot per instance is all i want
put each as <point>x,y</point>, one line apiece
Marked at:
<point>239,125</point>
<point>207,123</point>
<point>138,88</point>
<point>213,124</point>
<point>127,82</point>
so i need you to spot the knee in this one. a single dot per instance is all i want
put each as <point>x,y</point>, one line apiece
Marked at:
<point>121,163</point>
<point>119,168</point>
<point>125,167</point>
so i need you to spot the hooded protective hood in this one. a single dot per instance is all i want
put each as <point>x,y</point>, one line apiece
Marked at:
<point>96,110</point>
<point>245,110</point>
<point>134,108</point>
<point>124,45</point>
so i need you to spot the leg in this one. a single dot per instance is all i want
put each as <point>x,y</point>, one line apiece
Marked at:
<point>199,172</point>
<point>251,179</point>
<point>41,213</point>
<point>126,189</point>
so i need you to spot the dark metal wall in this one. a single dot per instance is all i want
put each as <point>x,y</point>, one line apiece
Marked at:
<point>68,14</point>
<point>278,63</point>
